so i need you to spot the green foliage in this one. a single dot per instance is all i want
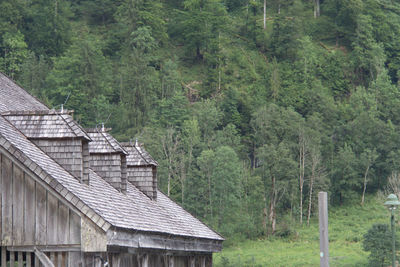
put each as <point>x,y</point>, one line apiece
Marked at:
<point>378,241</point>
<point>14,53</point>
<point>237,115</point>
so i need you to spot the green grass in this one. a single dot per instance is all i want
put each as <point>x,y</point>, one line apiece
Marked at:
<point>347,225</point>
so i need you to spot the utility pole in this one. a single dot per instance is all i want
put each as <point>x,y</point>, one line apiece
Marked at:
<point>323,228</point>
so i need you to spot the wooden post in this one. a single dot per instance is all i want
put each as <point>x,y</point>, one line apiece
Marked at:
<point>323,228</point>
<point>3,256</point>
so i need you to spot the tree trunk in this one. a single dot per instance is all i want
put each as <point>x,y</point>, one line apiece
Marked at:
<point>312,178</point>
<point>265,14</point>
<point>316,9</point>
<point>302,158</point>
<point>272,206</point>
<point>365,184</point>
<point>265,215</point>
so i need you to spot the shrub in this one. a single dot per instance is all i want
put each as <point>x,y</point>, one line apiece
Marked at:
<point>378,241</point>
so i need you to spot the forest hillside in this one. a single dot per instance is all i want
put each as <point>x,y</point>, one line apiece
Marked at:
<point>249,106</point>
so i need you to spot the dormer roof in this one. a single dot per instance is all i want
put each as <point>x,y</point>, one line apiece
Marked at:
<point>46,124</point>
<point>137,155</point>
<point>103,142</point>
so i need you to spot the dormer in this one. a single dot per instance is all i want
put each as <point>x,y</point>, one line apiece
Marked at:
<point>58,135</point>
<point>108,158</point>
<point>141,169</point>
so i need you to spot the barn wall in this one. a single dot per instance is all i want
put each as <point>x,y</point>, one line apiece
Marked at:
<point>160,259</point>
<point>10,256</point>
<point>67,152</point>
<point>32,215</point>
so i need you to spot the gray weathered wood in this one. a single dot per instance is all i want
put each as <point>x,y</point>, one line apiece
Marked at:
<point>53,258</point>
<point>52,211</point>
<point>18,206</point>
<point>116,260</point>
<point>63,224</point>
<point>20,259</point>
<point>6,239</point>
<point>41,211</point>
<point>12,258</point>
<point>28,259</point>
<point>43,259</point>
<point>192,261</point>
<point>29,211</point>
<point>74,228</point>
<point>37,261</point>
<point>323,228</point>
<point>74,259</point>
<point>3,256</point>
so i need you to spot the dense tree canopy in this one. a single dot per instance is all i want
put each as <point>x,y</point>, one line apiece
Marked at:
<point>247,121</point>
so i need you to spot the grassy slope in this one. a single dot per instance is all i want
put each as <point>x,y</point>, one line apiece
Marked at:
<point>347,225</point>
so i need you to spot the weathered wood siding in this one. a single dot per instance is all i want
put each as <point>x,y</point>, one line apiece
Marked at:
<point>32,215</point>
<point>11,256</point>
<point>144,178</point>
<point>68,153</point>
<point>86,162</point>
<point>161,259</point>
<point>108,166</point>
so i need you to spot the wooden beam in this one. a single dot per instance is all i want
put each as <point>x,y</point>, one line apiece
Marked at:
<point>29,210</point>
<point>43,259</point>
<point>20,259</point>
<point>6,211</point>
<point>3,256</point>
<point>46,248</point>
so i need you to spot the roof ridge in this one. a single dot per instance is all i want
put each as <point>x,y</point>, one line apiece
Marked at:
<point>104,134</point>
<point>68,124</point>
<point>129,144</point>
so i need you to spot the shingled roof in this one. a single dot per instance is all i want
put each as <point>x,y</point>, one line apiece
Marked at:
<point>137,155</point>
<point>103,142</point>
<point>46,124</point>
<point>14,98</point>
<point>100,201</point>
<point>23,117</point>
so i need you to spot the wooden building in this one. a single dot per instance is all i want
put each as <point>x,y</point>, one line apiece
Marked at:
<point>75,197</point>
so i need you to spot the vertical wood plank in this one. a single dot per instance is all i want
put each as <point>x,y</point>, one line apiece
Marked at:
<point>74,259</point>
<point>74,228</point>
<point>20,259</point>
<point>29,210</point>
<point>116,260</point>
<point>28,259</point>
<point>52,212</point>
<point>12,258</point>
<point>3,256</point>
<point>6,210</point>
<point>18,206</point>
<point>145,260</point>
<point>192,261</point>
<point>41,210</point>
<point>64,258</point>
<point>53,258</point>
<point>37,261</point>
<point>63,224</point>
